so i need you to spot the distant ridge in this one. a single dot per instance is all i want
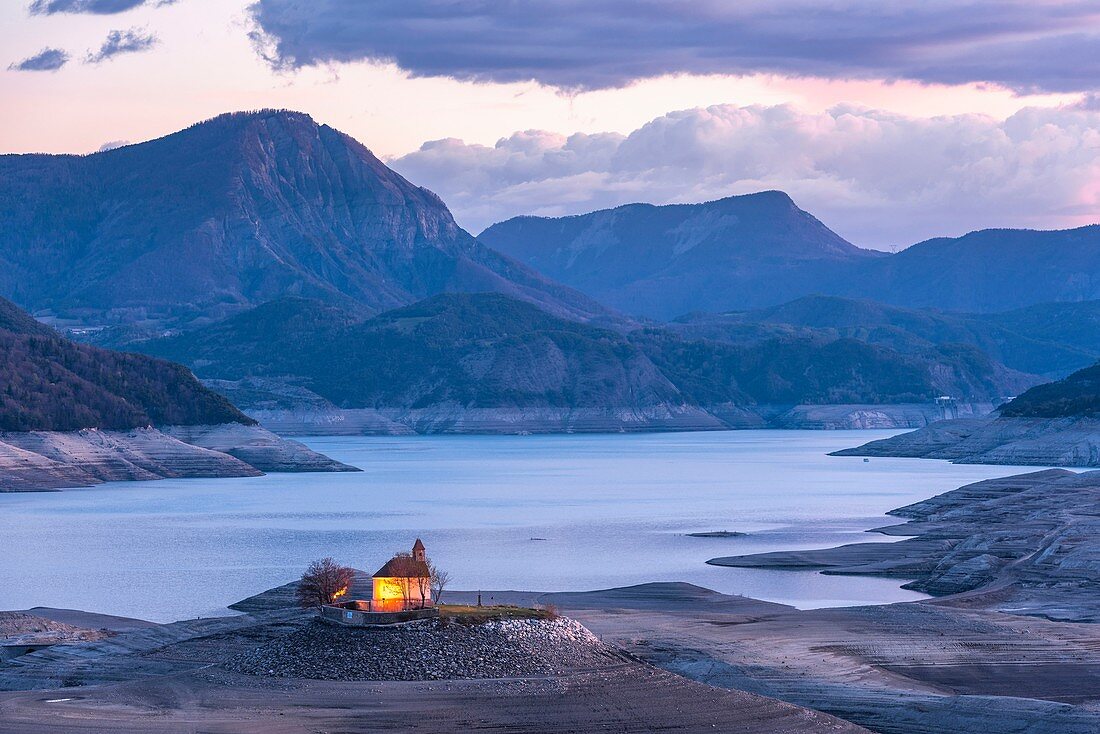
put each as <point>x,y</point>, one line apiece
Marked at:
<point>760,250</point>
<point>986,271</point>
<point>1050,339</point>
<point>663,261</point>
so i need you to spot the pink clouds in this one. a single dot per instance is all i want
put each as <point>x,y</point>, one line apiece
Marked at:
<point>880,179</point>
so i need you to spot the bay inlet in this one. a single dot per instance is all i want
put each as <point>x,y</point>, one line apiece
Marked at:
<point>547,513</point>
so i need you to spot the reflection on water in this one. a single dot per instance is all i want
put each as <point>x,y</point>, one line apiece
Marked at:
<point>500,512</point>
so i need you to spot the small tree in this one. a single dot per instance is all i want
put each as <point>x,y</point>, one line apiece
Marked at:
<point>405,569</point>
<point>424,587</point>
<point>323,582</point>
<point>439,581</point>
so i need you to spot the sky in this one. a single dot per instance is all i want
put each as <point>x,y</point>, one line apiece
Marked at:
<point>891,122</point>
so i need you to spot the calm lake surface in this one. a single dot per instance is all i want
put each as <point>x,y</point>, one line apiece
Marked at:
<point>544,513</point>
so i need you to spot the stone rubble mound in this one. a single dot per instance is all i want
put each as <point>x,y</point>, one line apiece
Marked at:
<point>428,650</point>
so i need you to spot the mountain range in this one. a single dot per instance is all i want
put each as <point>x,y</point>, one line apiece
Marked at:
<point>231,213</point>
<point>281,261</point>
<point>747,252</point>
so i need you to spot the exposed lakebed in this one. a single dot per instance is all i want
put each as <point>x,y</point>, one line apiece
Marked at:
<point>551,513</point>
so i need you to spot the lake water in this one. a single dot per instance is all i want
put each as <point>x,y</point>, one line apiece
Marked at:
<point>544,513</point>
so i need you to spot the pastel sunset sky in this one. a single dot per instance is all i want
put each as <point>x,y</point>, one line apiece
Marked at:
<point>891,122</point>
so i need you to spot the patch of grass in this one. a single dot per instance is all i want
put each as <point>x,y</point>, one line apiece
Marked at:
<point>469,614</point>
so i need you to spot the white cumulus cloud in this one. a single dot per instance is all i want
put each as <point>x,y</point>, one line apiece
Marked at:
<point>880,179</point>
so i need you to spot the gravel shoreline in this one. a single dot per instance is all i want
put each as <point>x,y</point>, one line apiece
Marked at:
<point>428,650</point>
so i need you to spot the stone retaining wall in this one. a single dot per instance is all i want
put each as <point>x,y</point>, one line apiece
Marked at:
<point>347,617</point>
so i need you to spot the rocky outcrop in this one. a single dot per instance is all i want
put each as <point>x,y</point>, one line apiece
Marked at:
<point>84,458</point>
<point>1013,441</point>
<point>48,460</point>
<point>847,417</point>
<point>22,633</point>
<point>1027,544</point>
<point>257,447</point>
<point>26,471</point>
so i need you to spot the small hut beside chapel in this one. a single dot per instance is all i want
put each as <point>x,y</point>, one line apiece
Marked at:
<point>404,582</point>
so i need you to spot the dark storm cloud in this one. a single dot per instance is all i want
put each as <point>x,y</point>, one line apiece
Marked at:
<point>48,59</point>
<point>1027,45</point>
<point>122,42</point>
<point>91,7</point>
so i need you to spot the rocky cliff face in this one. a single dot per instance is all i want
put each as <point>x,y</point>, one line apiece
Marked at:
<point>859,417</point>
<point>231,213</point>
<point>333,421</point>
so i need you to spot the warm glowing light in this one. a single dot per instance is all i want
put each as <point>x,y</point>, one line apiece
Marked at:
<point>339,593</point>
<point>389,588</point>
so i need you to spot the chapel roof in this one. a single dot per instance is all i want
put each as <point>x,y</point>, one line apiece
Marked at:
<point>403,567</point>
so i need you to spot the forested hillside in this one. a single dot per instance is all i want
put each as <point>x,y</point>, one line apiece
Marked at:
<point>48,383</point>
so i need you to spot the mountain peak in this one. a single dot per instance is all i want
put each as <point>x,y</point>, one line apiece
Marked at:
<point>771,196</point>
<point>248,116</point>
<point>232,212</point>
<point>736,252</point>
